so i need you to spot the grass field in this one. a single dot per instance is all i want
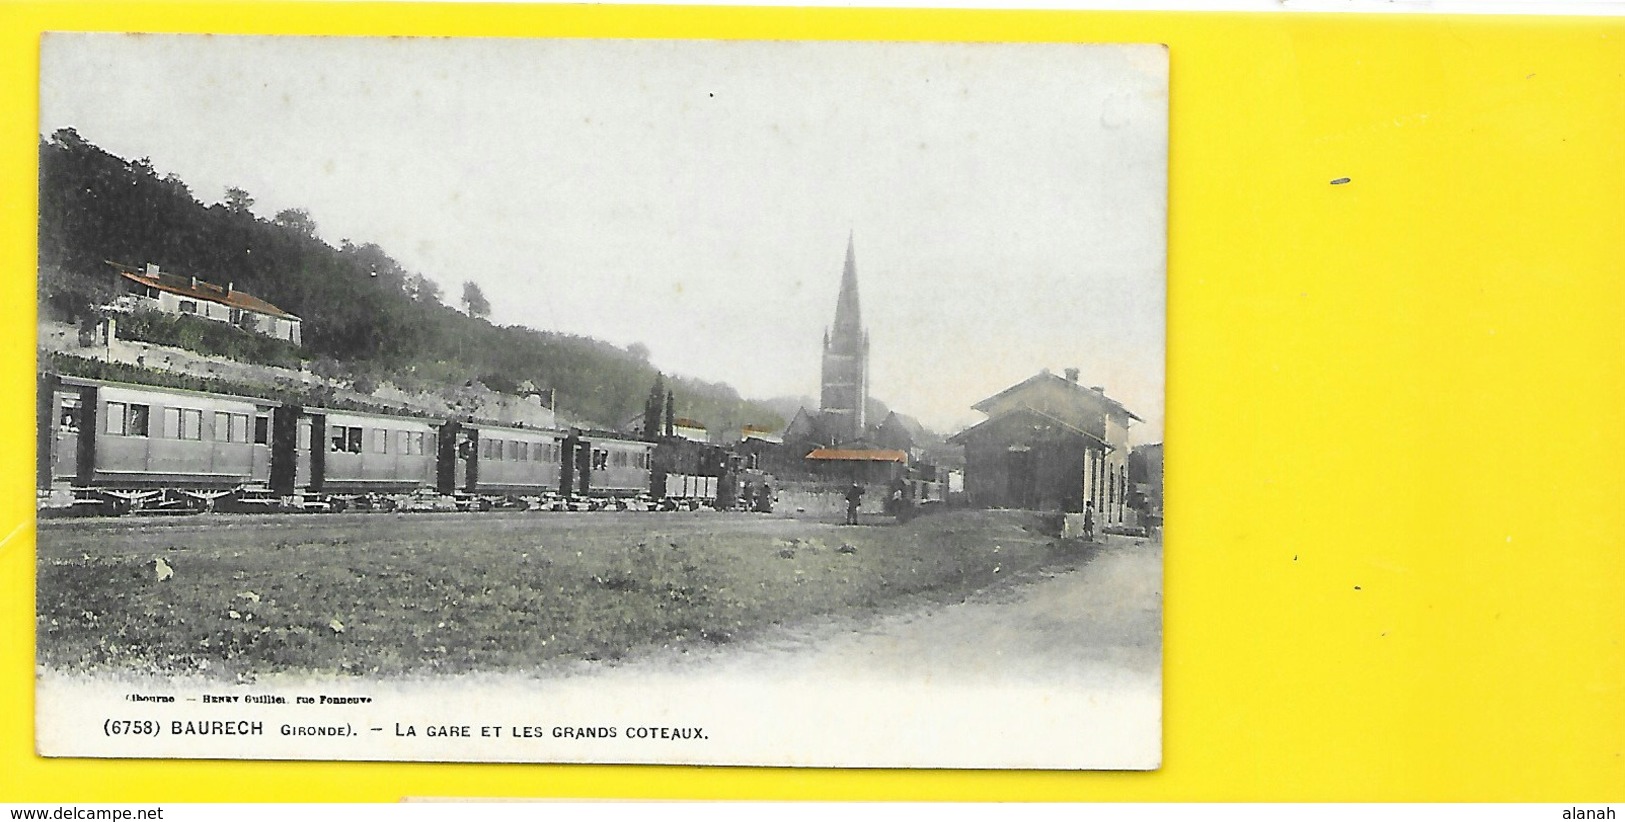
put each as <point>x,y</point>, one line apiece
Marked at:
<point>238,597</point>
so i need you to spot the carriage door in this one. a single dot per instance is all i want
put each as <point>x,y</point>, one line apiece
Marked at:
<point>303,467</point>
<point>584,466</point>
<point>468,456</point>
<point>69,413</point>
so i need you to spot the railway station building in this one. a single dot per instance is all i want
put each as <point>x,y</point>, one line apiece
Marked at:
<point>1049,443</point>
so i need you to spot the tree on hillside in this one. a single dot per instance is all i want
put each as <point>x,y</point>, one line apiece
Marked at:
<point>238,200</point>
<point>671,414</point>
<point>422,289</point>
<point>474,302</point>
<point>652,407</point>
<point>296,219</point>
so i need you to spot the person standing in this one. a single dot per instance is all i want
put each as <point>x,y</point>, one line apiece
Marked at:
<point>1089,520</point>
<point>854,497</point>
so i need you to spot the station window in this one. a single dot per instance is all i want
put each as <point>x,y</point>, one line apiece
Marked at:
<point>262,429</point>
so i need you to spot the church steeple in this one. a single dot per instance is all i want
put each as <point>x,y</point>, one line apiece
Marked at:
<point>847,313</point>
<point>846,359</point>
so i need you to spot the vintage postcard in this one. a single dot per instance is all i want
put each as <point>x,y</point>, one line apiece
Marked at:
<point>744,403</point>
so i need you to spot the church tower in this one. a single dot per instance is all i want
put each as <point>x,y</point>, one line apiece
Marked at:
<point>846,361</point>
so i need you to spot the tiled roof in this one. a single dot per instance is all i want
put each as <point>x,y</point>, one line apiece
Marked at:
<point>857,455</point>
<point>1046,376</point>
<point>198,289</point>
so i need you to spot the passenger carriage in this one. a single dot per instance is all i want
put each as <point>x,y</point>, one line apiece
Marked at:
<point>490,466</point>
<point>352,459</point>
<point>116,447</point>
<point>605,470</point>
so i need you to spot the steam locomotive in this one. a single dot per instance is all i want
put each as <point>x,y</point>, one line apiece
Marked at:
<point>108,447</point>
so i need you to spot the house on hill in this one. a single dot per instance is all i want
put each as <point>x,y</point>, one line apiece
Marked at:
<point>150,289</point>
<point>688,429</point>
<point>1049,443</point>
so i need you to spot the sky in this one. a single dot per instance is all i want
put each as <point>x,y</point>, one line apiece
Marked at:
<point>1007,202</point>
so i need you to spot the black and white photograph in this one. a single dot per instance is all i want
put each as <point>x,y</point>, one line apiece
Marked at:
<point>775,403</point>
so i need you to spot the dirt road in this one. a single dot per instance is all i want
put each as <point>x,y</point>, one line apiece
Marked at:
<point>1099,622</point>
<point>1062,672</point>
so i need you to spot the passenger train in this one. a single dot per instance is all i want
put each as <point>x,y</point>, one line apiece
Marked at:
<point>108,447</point>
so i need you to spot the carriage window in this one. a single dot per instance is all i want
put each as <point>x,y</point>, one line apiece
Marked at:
<point>222,427</point>
<point>600,459</point>
<point>347,438</point>
<point>524,451</point>
<point>67,419</point>
<point>513,449</point>
<point>127,419</point>
<point>403,443</point>
<point>303,437</point>
<point>239,428</point>
<point>191,427</point>
<point>116,420</point>
<point>425,442</point>
<point>188,306</point>
<point>380,441</point>
<point>262,429</point>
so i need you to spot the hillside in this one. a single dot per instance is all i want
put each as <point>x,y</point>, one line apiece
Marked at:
<point>366,318</point>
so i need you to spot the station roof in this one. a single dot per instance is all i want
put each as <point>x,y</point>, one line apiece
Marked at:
<point>858,455</point>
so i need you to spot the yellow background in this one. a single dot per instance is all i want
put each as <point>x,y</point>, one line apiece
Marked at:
<point>1396,409</point>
